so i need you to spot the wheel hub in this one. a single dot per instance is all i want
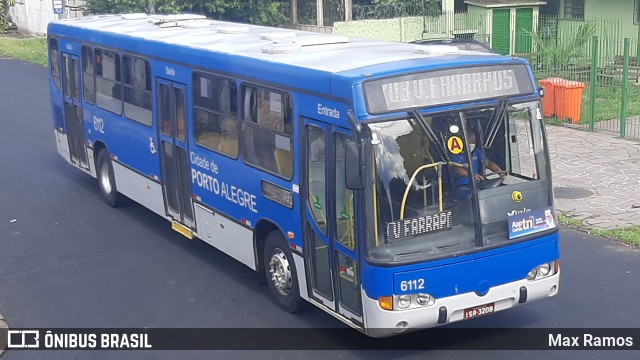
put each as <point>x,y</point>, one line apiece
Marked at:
<point>280,272</point>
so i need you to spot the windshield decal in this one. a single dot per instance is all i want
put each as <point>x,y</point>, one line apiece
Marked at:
<point>531,222</point>
<point>398,230</point>
<point>455,145</point>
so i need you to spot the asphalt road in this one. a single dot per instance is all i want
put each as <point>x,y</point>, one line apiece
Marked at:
<point>68,260</point>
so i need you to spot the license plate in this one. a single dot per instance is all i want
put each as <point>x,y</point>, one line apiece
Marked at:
<point>477,311</point>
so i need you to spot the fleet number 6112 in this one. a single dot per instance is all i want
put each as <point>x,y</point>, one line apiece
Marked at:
<point>408,285</point>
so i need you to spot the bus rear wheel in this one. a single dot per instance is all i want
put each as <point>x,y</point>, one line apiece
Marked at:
<point>106,179</point>
<point>280,271</point>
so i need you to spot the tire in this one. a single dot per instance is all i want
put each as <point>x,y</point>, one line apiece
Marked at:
<point>280,272</point>
<point>107,180</point>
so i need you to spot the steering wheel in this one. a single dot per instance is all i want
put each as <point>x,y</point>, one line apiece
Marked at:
<point>492,183</point>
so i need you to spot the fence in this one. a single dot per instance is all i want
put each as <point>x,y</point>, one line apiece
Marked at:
<point>591,75</point>
<point>614,105</point>
<point>334,11</point>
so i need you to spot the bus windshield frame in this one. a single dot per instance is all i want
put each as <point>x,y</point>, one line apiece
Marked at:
<point>520,132</point>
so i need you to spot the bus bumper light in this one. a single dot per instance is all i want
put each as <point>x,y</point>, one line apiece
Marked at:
<point>401,326</point>
<point>553,290</point>
<point>386,302</point>
<point>405,301</point>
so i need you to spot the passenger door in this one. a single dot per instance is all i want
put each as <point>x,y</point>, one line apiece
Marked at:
<point>330,236</point>
<point>74,121</point>
<point>172,129</point>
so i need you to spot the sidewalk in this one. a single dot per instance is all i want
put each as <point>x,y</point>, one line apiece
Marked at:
<point>596,176</point>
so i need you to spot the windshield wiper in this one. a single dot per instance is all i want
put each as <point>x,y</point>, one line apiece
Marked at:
<point>494,123</point>
<point>432,136</point>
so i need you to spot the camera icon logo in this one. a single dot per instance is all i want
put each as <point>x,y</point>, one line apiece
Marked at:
<point>516,196</point>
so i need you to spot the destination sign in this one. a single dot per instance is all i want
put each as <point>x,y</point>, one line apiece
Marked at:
<point>406,228</point>
<point>443,87</point>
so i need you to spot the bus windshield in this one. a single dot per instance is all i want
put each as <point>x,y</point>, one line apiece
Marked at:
<point>424,201</point>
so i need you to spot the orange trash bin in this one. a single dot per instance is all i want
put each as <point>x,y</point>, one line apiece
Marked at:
<point>568,100</point>
<point>549,98</point>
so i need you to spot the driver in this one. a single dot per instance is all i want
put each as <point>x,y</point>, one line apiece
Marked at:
<point>461,189</point>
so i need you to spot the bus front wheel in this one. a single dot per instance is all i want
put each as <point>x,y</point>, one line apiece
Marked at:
<point>106,179</point>
<point>281,273</point>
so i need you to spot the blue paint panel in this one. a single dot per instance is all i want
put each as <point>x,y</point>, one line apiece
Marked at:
<point>463,274</point>
<point>329,111</point>
<point>69,47</point>
<point>226,176</point>
<point>127,140</point>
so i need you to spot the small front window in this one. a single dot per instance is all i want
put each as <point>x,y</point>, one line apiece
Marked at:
<point>345,229</point>
<point>317,167</point>
<point>54,58</point>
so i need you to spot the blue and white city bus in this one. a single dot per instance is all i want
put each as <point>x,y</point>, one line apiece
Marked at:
<point>395,186</point>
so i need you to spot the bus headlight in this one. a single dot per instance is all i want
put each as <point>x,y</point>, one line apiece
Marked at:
<point>404,301</point>
<point>410,301</point>
<point>542,271</point>
<point>424,299</point>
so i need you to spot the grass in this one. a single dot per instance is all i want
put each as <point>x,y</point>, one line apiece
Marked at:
<point>629,235</point>
<point>608,93</point>
<point>608,103</point>
<point>565,218</point>
<point>33,50</point>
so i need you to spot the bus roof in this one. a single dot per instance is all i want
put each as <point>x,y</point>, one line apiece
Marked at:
<point>324,62</point>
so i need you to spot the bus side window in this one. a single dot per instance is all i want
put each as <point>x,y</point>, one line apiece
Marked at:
<point>88,80</point>
<point>108,81</point>
<point>267,129</point>
<point>215,114</point>
<point>55,62</point>
<point>137,90</point>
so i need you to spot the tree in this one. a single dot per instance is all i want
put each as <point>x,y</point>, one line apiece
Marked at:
<point>117,6</point>
<point>263,12</point>
<point>556,52</point>
<point>385,9</point>
<point>4,13</point>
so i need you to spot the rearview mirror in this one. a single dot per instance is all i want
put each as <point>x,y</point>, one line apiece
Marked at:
<point>354,168</point>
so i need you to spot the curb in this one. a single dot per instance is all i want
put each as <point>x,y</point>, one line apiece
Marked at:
<point>3,334</point>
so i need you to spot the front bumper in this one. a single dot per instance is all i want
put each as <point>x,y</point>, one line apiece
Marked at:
<point>383,323</point>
